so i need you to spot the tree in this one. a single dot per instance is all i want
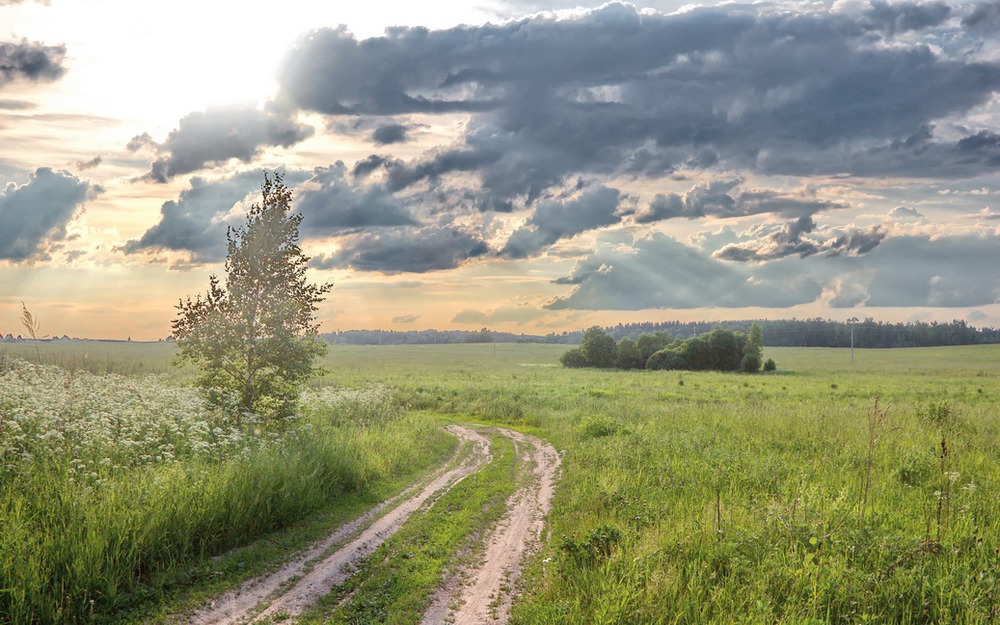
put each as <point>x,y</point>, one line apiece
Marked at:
<point>629,356</point>
<point>648,344</point>
<point>598,348</point>
<point>255,339</point>
<point>753,350</point>
<point>725,349</point>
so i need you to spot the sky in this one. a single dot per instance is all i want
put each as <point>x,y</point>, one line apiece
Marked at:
<point>530,167</point>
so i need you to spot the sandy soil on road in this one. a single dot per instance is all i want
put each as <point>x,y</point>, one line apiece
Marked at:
<point>487,595</point>
<point>478,595</point>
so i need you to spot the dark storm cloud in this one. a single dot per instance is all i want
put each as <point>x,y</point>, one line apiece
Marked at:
<point>619,91</point>
<point>196,222</point>
<point>373,76</point>
<point>854,243</point>
<point>985,16</point>
<point>972,155</point>
<point>213,137</point>
<point>369,165</point>
<point>390,133</point>
<point>38,211</point>
<point>30,61</point>
<point>905,16</point>
<point>405,250</point>
<point>330,203</point>
<point>554,220</point>
<point>716,199</point>
<point>660,272</point>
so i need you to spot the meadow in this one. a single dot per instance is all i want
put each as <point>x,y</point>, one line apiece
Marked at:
<point>826,492</point>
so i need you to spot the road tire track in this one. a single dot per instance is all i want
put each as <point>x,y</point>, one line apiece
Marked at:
<point>486,596</point>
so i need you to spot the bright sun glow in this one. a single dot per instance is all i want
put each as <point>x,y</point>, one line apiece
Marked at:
<point>137,64</point>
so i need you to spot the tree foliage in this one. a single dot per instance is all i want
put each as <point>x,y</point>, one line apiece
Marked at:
<point>255,338</point>
<point>573,359</point>
<point>629,356</point>
<point>718,350</point>
<point>598,349</point>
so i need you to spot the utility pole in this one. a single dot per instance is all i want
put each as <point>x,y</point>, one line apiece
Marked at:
<point>852,322</point>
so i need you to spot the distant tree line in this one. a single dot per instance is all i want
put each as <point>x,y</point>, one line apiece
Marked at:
<point>827,333</point>
<point>777,332</point>
<point>443,337</point>
<point>718,350</point>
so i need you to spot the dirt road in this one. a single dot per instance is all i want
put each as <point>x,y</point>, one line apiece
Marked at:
<point>288,592</point>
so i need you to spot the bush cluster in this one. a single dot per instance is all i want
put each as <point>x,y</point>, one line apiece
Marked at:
<point>719,350</point>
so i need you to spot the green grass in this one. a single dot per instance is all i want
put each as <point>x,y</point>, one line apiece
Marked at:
<point>718,498</point>
<point>738,498</point>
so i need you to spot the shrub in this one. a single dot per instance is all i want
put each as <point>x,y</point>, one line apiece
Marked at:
<point>770,365</point>
<point>596,546</point>
<point>573,358</point>
<point>750,363</point>
<point>665,359</point>
<point>596,427</point>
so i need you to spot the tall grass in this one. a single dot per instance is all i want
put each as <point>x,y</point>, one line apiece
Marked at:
<point>720,498</point>
<point>100,496</point>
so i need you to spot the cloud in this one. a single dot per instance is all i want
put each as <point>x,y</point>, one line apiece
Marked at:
<point>790,240</point>
<point>469,315</point>
<point>955,271</point>
<point>660,272</point>
<point>906,16</point>
<point>90,164</point>
<point>196,222</point>
<point>140,142</point>
<point>16,105</point>
<point>986,214</point>
<point>38,211</point>
<point>616,91</point>
<point>554,220</point>
<point>34,62</point>
<point>330,203</point>
<point>213,137</point>
<point>985,16</point>
<point>902,271</point>
<point>405,250</point>
<point>717,198</point>
<point>904,213</point>
<point>390,133</point>
<point>405,319</point>
<point>519,315</point>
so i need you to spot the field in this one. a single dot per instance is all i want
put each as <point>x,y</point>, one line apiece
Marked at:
<point>827,492</point>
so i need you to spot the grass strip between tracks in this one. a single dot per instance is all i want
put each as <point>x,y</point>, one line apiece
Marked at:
<point>395,584</point>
